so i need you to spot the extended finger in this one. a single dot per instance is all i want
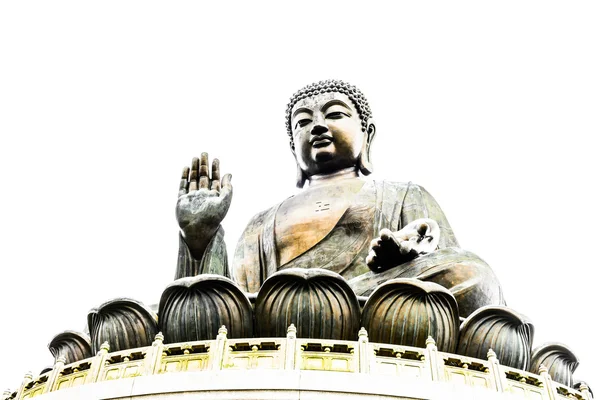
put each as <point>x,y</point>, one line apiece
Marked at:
<point>386,234</point>
<point>184,184</point>
<point>226,182</point>
<point>375,244</point>
<point>203,182</point>
<point>216,173</point>
<point>371,259</point>
<point>215,183</point>
<point>226,188</point>
<point>194,175</point>
<point>203,165</point>
<point>405,247</point>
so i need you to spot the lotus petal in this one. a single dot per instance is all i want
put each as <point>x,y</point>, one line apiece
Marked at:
<point>123,323</point>
<point>501,329</point>
<point>407,311</point>
<point>318,302</point>
<point>194,308</point>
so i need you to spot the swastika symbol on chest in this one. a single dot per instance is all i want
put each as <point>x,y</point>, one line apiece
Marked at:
<point>322,206</point>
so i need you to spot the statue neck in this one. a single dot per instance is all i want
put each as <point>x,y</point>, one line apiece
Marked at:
<point>322,179</point>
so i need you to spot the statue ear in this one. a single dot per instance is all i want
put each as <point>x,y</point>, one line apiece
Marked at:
<point>364,158</point>
<point>300,175</point>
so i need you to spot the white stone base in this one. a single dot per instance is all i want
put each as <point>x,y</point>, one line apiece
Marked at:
<point>272,385</point>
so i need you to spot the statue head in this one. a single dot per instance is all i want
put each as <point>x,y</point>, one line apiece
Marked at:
<point>330,128</point>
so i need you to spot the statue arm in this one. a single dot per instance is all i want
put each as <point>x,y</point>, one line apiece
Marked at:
<point>213,260</point>
<point>203,203</point>
<point>468,277</point>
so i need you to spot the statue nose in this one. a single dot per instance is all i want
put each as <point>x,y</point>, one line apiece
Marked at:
<point>318,129</point>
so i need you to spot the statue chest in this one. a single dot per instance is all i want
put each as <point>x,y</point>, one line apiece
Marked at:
<point>306,219</point>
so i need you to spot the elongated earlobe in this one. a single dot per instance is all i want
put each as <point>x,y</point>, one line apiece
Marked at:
<point>300,177</point>
<point>364,158</point>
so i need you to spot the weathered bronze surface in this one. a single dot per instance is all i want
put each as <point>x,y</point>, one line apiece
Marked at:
<point>445,267</point>
<point>71,345</point>
<point>501,329</point>
<point>408,311</point>
<point>195,308</point>
<point>304,262</point>
<point>340,221</point>
<point>318,302</point>
<point>558,358</point>
<point>123,323</point>
<point>203,202</point>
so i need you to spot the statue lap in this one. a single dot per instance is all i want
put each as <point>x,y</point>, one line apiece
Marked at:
<point>467,276</point>
<point>378,205</point>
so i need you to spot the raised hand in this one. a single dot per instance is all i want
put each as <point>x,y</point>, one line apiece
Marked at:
<point>203,203</point>
<point>394,248</point>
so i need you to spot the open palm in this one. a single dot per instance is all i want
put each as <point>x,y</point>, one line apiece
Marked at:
<point>203,201</point>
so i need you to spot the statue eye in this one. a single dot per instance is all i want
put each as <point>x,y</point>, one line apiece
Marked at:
<point>336,115</point>
<point>302,123</point>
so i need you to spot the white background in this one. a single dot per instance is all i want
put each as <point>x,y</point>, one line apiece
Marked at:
<point>492,106</point>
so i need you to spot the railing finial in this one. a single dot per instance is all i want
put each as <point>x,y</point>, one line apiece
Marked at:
<point>291,331</point>
<point>362,333</point>
<point>159,337</point>
<point>223,330</point>
<point>430,341</point>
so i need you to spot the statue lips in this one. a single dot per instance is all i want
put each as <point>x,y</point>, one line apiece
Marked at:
<point>321,141</point>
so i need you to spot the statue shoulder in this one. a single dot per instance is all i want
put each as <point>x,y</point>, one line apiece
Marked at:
<point>261,218</point>
<point>410,188</point>
<point>401,185</point>
<point>398,190</point>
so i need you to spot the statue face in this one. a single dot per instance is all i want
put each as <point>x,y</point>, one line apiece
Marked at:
<point>327,133</point>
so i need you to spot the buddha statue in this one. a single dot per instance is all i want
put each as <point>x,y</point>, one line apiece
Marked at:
<point>367,231</point>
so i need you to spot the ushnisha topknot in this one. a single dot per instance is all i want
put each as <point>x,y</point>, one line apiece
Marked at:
<point>329,86</point>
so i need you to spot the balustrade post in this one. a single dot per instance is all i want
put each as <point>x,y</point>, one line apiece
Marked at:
<point>26,381</point>
<point>547,379</point>
<point>218,350</point>
<point>154,355</point>
<point>59,364</point>
<point>432,360</point>
<point>363,353</point>
<point>499,376</point>
<point>97,363</point>
<point>585,391</point>
<point>290,348</point>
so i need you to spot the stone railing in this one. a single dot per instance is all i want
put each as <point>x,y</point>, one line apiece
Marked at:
<point>292,353</point>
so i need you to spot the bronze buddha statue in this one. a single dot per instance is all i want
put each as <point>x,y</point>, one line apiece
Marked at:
<point>366,231</point>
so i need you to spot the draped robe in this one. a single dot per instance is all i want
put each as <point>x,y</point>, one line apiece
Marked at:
<point>378,205</point>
